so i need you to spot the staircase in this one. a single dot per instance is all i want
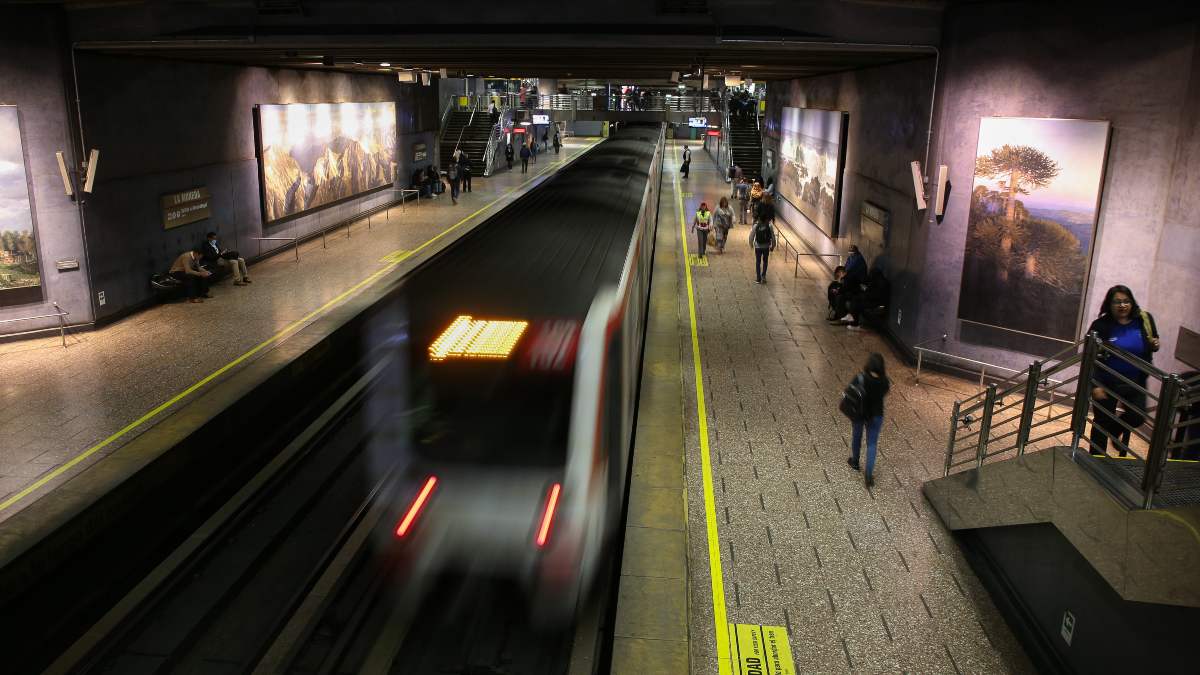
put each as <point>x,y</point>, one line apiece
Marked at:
<point>469,136</point>
<point>746,145</point>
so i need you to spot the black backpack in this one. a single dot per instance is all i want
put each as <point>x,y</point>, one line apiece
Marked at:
<point>762,233</point>
<point>853,398</point>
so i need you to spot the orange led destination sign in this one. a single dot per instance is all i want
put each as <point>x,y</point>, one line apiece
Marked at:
<point>469,338</point>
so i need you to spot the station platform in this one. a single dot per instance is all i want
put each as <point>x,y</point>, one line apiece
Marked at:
<point>747,517</point>
<point>65,410</point>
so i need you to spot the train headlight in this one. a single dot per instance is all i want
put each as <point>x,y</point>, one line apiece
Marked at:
<point>469,338</point>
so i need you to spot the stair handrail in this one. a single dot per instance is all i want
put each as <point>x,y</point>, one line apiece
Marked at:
<point>1006,426</point>
<point>494,137</point>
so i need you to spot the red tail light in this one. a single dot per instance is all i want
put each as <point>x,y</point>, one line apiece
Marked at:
<point>417,505</point>
<point>548,515</point>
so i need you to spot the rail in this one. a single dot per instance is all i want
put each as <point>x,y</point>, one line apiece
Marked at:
<point>368,214</point>
<point>59,313</point>
<point>1153,427</point>
<point>797,254</point>
<point>657,102</point>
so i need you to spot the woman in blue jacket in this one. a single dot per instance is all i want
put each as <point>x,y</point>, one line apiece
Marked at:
<point>1125,325</point>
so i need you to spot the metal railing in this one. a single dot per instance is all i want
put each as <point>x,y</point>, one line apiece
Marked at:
<point>984,366</point>
<point>656,102</point>
<point>1004,419</point>
<point>58,312</point>
<point>796,253</point>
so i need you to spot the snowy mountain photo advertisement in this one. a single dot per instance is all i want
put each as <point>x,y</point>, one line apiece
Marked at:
<point>316,154</point>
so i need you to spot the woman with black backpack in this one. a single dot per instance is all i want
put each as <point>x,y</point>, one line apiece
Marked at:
<point>762,239</point>
<point>862,402</point>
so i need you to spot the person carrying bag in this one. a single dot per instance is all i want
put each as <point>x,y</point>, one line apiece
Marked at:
<point>862,403</point>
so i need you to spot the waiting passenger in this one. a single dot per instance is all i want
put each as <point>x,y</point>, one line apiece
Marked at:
<point>834,289</point>
<point>876,294</point>
<point>525,155</point>
<point>557,143</point>
<point>722,223</point>
<point>435,181</point>
<point>464,171</point>
<point>686,167</point>
<point>533,148</point>
<point>756,193</point>
<point>452,174</point>
<point>741,192</point>
<point>702,226</point>
<point>187,270</point>
<point>1124,325</point>
<point>215,256</point>
<point>508,155</point>
<point>852,284</point>
<point>874,387</point>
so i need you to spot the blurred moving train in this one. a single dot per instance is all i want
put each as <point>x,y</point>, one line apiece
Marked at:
<point>525,354</point>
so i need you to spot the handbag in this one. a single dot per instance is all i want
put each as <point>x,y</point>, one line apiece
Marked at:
<point>853,398</point>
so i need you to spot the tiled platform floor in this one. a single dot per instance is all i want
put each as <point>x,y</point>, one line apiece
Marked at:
<point>56,403</point>
<point>864,580</point>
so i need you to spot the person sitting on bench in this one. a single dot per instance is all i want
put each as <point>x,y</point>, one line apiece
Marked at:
<point>187,270</point>
<point>871,301</point>
<point>214,257</point>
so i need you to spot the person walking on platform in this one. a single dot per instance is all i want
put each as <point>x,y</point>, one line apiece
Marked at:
<point>702,225</point>
<point>452,173</point>
<point>722,223</point>
<point>686,167</point>
<point>1125,325</point>
<point>525,153</point>
<point>741,192</point>
<point>762,240</point>
<point>464,170</point>
<point>871,386</point>
<point>546,139</point>
<point>508,155</point>
<point>756,194</point>
<point>533,148</point>
<point>557,143</point>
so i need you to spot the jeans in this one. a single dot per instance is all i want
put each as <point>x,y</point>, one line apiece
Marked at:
<point>454,189</point>
<point>466,182</point>
<point>701,241</point>
<point>873,426</point>
<point>196,286</point>
<point>237,266</point>
<point>761,255</point>
<point>1104,417</point>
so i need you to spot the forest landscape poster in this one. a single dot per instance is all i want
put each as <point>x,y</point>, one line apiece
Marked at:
<point>20,278</point>
<point>316,154</point>
<point>811,153</point>
<point>1031,228</point>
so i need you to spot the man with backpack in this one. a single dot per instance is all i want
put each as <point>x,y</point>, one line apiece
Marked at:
<point>452,173</point>
<point>464,170</point>
<point>762,240</point>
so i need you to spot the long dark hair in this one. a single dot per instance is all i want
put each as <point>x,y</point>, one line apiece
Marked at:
<point>1108,298</point>
<point>875,365</point>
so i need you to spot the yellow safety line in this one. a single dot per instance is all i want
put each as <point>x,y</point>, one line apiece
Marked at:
<point>724,662</point>
<point>278,337</point>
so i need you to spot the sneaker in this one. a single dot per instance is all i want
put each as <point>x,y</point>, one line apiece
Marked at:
<point>853,464</point>
<point>848,317</point>
<point>853,326</point>
<point>247,280</point>
<point>869,481</point>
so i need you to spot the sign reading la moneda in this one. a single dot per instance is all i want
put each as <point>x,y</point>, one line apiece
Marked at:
<point>186,207</point>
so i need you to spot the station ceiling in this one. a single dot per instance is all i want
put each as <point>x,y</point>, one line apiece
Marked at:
<point>616,41</point>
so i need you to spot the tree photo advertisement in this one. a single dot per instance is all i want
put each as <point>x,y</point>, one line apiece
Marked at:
<point>1030,230</point>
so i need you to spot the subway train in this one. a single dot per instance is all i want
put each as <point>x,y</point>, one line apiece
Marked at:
<point>524,352</point>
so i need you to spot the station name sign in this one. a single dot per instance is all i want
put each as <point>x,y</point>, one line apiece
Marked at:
<point>186,207</point>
